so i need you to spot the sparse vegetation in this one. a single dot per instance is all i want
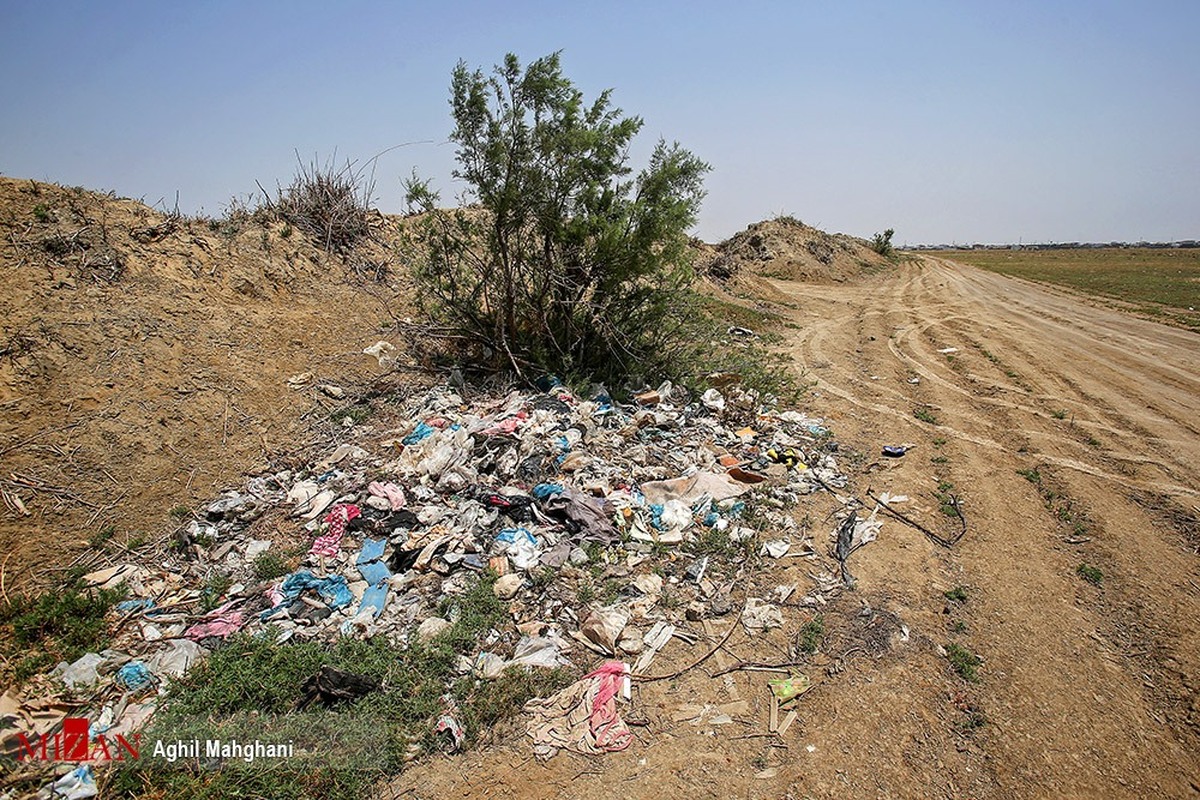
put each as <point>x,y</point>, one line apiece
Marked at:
<point>255,676</point>
<point>973,720</point>
<point>1059,413</point>
<point>214,590</point>
<point>331,204</point>
<point>948,501</point>
<point>102,537</point>
<point>1031,475</point>
<point>957,595</point>
<point>808,640</point>
<point>268,565</point>
<point>964,663</point>
<point>1090,574</point>
<point>58,625</point>
<point>1162,283</point>
<point>924,414</point>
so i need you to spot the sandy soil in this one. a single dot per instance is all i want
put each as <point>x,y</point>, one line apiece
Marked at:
<point>1088,691</point>
<point>144,365</point>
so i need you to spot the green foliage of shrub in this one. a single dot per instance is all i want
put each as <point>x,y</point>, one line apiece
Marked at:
<point>573,265</point>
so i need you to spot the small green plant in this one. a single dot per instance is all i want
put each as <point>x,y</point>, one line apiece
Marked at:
<point>938,441</point>
<point>611,591</point>
<point>585,594</point>
<point>882,242</point>
<point>102,536</point>
<point>959,626</point>
<point>810,635</point>
<point>957,595</point>
<point>939,460</point>
<point>214,589</point>
<point>963,662</point>
<point>1031,475</point>
<point>1059,414</point>
<point>973,720</point>
<point>41,213</point>
<point>1092,441</point>
<point>136,541</point>
<point>540,579</point>
<point>714,542</point>
<point>268,565</point>
<point>1090,574</point>
<point>180,512</point>
<point>287,231</point>
<point>357,413</point>
<point>925,415</point>
<point>594,552</point>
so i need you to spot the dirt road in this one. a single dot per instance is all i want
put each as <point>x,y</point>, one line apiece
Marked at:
<point>1085,690</point>
<point>1089,690</point>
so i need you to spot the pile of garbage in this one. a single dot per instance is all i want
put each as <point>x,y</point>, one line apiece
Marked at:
<point>539,489</point>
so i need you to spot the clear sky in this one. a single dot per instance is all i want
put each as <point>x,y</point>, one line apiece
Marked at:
<point>948,121</point>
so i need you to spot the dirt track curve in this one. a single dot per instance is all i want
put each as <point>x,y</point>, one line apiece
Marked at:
<point>1087,690</point>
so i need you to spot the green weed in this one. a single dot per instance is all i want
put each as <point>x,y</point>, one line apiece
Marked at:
<point>957,595</point>
<point>963,662</point>
<point>1090,574</point>
<point>268,565</point>
<point>102,537</point>
<point>214,590</point>
<point>1031,475</point>
<point>59,625</point>
<point>810,635</point>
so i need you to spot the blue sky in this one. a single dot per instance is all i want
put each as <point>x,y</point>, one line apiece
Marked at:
<point>948,121</point>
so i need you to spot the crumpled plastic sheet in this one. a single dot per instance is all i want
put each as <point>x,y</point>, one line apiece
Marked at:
<point>77,784</point>
<point>760,615</point>
<point>221,622</point>
<point>585,513</point>
<point>717,486</point>
<point>134,676</point>
<point>332,589</point>
<point>583,717</point>
<point>175,658</point>
<point>539,651</point>
<point>84,671</point>
<point>386,490</point>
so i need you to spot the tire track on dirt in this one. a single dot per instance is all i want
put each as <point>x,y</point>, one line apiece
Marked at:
<point>1087,686</point>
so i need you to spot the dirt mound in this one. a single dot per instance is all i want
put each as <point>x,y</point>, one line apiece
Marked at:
<point>145,357</point>
<point>787,249</point>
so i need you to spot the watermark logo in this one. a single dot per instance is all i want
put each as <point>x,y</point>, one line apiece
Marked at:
<point>74,743</point>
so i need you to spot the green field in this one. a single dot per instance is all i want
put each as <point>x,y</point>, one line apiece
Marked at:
<point>1161,283</point>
